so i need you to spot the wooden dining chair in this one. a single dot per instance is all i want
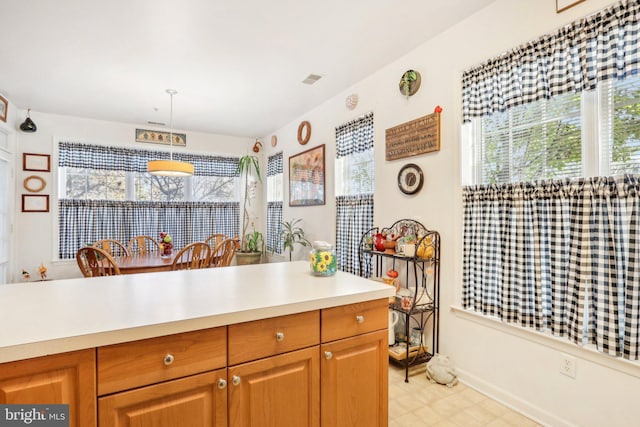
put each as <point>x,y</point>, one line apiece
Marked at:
<point>94,262</point>
<point>113,247</point>
<point>214,239</point>
<point>140,245</point>
<point>193,256</point>
<point>223,253</point>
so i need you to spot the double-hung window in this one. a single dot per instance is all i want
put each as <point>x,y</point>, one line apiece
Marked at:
<point>354,181</point>
<point>552,201</point>
<point>106,193</point>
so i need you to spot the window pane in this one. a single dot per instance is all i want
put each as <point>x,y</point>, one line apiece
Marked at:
<point>355,174</point>
<point>540,140</point>
<point>159,188</point>
<point>624,143</point>
<point>214,189</point>
<point>95,184</point>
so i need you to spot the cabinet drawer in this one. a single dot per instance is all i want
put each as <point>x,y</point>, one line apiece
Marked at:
<point>133,364</point>
<point>354,319</point>
<point>266,337</point>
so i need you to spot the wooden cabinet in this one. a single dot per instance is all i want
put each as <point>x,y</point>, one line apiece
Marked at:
<point>281,391</point>
<point>197,400</point>
<point>62,378</point>
<point>354,368</point>
<point>355,381</point>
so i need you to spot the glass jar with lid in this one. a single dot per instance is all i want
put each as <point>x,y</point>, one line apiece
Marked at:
<point>323,259</point>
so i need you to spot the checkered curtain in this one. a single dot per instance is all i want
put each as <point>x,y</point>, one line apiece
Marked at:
<point>274,208</point>
<point>576,57</point>
<point>354,213</point>
<point>86,221</point>
<point>100,157</point>
<point>562,256</point>
<point>354,217</point>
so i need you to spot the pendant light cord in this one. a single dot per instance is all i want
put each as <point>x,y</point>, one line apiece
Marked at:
<point>171,93</point>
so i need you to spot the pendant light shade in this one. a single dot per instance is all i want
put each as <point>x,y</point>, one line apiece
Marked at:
<point>170,167</point>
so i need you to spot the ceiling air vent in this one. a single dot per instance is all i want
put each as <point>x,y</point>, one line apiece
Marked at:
<point>311,79</point>
<point>156,123</point>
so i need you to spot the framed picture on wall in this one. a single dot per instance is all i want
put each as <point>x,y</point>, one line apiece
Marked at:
<point>562,5</point>
<point>35,203</point>
<point>306,178</point>
<point>36,162</point>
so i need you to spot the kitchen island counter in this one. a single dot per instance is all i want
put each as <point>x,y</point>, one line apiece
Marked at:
<point>43,318</point>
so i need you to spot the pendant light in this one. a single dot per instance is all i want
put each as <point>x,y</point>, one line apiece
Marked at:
<point>170,167</point>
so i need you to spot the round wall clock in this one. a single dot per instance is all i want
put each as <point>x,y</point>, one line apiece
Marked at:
<point>410,178</point>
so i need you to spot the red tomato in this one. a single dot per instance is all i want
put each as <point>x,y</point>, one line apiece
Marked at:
<point>392,273</point>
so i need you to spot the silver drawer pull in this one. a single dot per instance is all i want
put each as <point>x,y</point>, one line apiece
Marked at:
<point>168,359</point>
<point>235,380</point>
<point>360,319</point>
<point>328,355</point>
<point>222,383</point>
<point>279,336</point>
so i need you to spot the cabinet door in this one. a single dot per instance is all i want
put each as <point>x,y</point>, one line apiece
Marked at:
<point>198,400</point>
<point>60,378</point>
<point>282,391</point>
<point>354,384</point>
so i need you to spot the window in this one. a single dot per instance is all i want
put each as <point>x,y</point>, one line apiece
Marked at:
<point>354,180</point>
<point>558,138</point>
<point>105,192</point>
<point>274,202</point>
<point>550,221</point>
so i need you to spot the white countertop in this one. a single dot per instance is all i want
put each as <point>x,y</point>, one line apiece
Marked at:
<point>41,318</point>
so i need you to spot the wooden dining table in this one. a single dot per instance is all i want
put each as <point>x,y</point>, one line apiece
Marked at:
<point>146,263</point>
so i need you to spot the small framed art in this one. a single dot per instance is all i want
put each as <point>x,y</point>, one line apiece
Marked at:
<point>35,203</point>
<point>562,5</point>
<point>36,162</point>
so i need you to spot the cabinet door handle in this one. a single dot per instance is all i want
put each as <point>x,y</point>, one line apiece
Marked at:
<point>360,319</point>
<point>279,336</point>
<point>328,355</point>
<point>222,383</point>
<point>235,380</point>
<point>168,359</point>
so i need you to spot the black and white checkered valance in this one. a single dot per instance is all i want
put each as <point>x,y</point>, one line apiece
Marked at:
<point>274,164</point>
<point>101,157</point>
<point>355,136</point>
<point>575,58</point>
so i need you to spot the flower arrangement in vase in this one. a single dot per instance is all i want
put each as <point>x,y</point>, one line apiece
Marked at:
<point>165,244</point>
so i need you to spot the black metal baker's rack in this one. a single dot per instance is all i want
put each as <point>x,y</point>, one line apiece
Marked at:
<point>421,279</point>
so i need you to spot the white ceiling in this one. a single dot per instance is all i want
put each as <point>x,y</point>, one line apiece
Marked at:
<point>237,65</point>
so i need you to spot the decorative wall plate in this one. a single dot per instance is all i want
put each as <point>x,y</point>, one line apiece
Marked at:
<point>274,140</point>
<point>409,83</point>
<point>352,101</point>
<point>304,132</point>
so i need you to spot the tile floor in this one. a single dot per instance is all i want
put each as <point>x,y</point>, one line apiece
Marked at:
<point>420,403</point>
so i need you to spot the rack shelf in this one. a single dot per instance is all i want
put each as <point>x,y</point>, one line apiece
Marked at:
<point>420,286</point>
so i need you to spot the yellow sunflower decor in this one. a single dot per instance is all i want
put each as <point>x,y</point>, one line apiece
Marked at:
<point>323,259</point>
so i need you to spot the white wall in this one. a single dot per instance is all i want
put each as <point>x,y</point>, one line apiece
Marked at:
<point>507,363</point>
<point>35,233</point>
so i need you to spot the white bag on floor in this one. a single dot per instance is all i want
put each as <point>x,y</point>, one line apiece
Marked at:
<point>440,370</point>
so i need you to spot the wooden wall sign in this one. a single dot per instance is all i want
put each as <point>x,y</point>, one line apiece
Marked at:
<point>418,136</point>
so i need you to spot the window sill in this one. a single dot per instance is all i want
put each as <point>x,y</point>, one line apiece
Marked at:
<point>588,352</point>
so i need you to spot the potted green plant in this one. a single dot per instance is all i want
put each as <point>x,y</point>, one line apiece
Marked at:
<point>251,245</point>
<point>291,234</point>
